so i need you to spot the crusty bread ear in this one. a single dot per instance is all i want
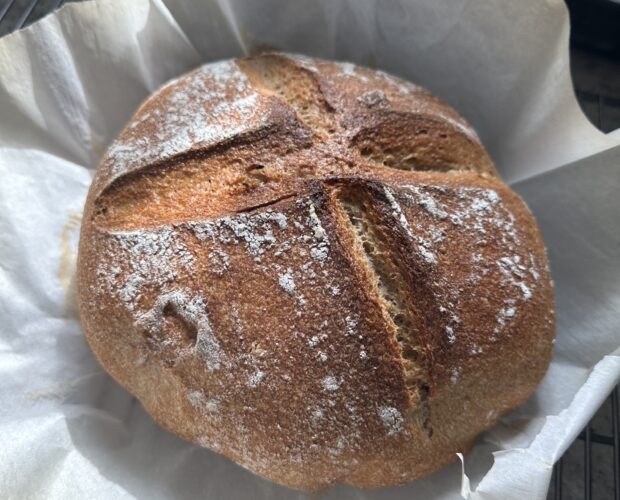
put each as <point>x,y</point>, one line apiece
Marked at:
<point>313,269</point>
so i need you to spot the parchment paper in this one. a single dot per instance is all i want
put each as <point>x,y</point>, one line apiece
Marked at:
<point>71,81</point>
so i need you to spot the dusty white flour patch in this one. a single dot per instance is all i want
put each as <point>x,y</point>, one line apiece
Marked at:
<point>211,104</point>
<point>199,401</point>
<point>437,234</point>
<point>478,214</point>
<point>339,446</point>
<point>505,314</point>
<point>315,340</point>
<point>350,69</point>
<point>320,246</point>
<point>475,350</point>
<point>196,398</point>
<point>316,416</point>
<point>424,245</point>
<point>209,442</point>
<point>279,219</point>
<point>351,326</point>
<point>286,281</point>
<point>391,419</point>
<point>330,383</point>
<point>397,211</point>
<point>150,257</point>
<point>533,269</point>
<point>255,378</point>
<point>450,334</point>
<point>220,261</point>
<point>425,200</point>
<point>254,231</point>
<point>400,85</point>
<point>513,271</point>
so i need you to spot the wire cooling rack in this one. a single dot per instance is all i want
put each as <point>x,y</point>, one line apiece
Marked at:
<point>586,458</point>
<point>595,455</point>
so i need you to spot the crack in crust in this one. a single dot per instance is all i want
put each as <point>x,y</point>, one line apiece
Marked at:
<point>295,86</point>
<point>304,135</point>
<point>374,251</point>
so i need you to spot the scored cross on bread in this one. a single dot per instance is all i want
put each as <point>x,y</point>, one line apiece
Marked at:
<point>314,269</point>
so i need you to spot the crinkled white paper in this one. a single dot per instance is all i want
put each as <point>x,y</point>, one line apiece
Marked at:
<point>70,82</point>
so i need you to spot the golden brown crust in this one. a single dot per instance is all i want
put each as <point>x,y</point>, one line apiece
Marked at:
<point>313,269</point>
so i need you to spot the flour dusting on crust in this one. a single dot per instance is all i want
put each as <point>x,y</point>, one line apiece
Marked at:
<point>262,327</point>
<point>477,215</point>
<point>391,418</point>
<point>212,104</point>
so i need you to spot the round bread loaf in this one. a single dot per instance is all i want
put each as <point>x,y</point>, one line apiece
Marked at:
<point>314,269</point>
